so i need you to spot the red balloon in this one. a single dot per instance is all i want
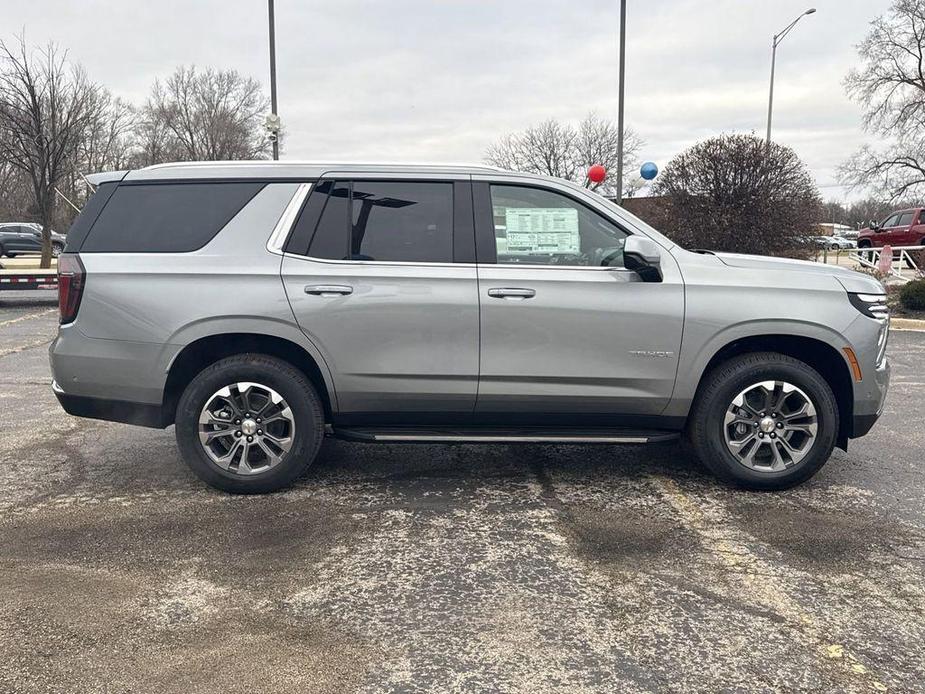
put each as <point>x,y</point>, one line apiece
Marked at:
<point>597,173</point>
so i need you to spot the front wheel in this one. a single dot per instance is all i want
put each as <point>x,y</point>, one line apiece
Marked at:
<point>249,424</point>
<point>56,250</point>
<point>764,421</point>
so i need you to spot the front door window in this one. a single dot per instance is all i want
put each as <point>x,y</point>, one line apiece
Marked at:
<point>534,226</point>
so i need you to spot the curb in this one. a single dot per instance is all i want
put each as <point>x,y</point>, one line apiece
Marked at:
<point>907,324</point>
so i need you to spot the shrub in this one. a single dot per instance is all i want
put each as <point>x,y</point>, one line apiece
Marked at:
<point>912,296</point>
<point>740,194</point>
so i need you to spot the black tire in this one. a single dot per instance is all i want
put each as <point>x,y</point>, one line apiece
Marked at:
<point>290,383</point>
<point>862,247</point>
<point>723,383</point>
<point>56,250</point>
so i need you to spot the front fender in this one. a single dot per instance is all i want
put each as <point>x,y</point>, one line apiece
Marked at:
<point>696,357</point>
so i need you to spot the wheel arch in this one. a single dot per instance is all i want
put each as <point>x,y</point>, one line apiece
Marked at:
<point>208,349</point>
<point>817,353</point>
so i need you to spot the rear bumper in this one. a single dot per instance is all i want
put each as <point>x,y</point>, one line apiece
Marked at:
<point>140,414</point>
<point>116,370</point>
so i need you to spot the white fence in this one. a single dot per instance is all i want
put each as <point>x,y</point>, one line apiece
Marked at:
<point>902,265</point>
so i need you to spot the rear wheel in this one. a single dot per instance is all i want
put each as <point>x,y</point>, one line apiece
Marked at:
<point>249,424</point>
<point>764,421</point>
<point>56,250</point>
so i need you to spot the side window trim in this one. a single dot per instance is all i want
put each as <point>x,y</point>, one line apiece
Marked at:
<point>279,238</point>
<point>486,248</point>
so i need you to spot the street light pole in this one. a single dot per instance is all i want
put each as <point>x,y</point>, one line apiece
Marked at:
<point>774,43</point>
<point>273,74</point>
<point>620,105</point>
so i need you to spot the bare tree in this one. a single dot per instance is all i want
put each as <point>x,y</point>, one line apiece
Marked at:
<point>863,212</point>
<point>203,115</point>
<point>738,193</point>
<point>890,86</point>
<point>108,141</point>
<point>46,106</point>
<point>559,149</point>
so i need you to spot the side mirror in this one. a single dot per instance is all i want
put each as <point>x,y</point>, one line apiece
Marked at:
<point>875,225</point>
<point>642,256</point>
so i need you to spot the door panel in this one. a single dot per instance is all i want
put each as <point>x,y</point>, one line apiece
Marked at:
<point>900,232</point>
<point>381,276</point>
<point>404,339</point>
<point>31,241</point>
<point>587,341</point>
<point>14,239</point>
<point>566,330</point>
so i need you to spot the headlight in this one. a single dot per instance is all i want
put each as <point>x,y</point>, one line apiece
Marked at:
<point>871,305</point>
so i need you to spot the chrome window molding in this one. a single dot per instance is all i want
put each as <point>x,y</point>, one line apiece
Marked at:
<point>331,261</point>
<point>284,225</point>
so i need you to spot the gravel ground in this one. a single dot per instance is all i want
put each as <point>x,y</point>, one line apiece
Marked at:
<point>465,568</point>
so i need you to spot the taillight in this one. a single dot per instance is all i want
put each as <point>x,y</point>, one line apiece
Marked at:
<point>71,281</point>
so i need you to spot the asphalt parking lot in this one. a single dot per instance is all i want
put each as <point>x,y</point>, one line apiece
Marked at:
<point>468,568</point>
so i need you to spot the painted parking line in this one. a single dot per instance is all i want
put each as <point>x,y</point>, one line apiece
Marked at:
<point>732,552</point>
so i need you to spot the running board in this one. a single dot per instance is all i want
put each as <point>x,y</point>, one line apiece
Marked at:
<point>501,435</point>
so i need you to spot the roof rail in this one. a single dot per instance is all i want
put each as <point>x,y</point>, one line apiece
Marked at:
<point>330,164</point>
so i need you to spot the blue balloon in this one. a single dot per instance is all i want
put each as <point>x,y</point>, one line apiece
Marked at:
<point>648,170</point>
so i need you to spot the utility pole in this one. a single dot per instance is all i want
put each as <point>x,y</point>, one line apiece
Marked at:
<point>620,105</point>
<point>274,116</point>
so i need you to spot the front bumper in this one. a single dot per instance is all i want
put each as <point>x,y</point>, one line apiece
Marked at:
<point>868,409</point>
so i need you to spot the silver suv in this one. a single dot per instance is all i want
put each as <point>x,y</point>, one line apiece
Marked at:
<point>262,306</point>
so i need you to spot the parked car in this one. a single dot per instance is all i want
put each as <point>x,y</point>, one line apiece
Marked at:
<point>262,306</point>
<point>827,242</point>
<point>902,228</point>
<point>835,243</point>
<point>25,238</point>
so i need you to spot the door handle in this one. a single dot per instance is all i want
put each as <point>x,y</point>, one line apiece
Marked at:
<point>328,289</point>
<point>515,293</point>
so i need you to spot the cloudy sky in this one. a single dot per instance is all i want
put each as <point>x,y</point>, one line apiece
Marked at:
<point>439,80</point>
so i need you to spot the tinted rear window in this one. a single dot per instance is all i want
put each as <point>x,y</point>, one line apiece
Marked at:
<point>166,217</point>
<point>402,221</point>
<point>330,239</point>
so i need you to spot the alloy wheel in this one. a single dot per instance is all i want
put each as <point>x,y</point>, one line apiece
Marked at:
<point>246,428</point>
<point>770,426</point>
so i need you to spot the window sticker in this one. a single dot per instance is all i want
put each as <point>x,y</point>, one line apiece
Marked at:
<point>534,230</point>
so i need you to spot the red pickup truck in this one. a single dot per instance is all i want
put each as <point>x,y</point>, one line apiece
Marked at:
<point>902,228</point>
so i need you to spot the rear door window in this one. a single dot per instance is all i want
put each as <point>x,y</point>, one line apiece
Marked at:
<point>402,221</point>
<point>384,221</point>
<point>905,219</point>
<point>166,217</point>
